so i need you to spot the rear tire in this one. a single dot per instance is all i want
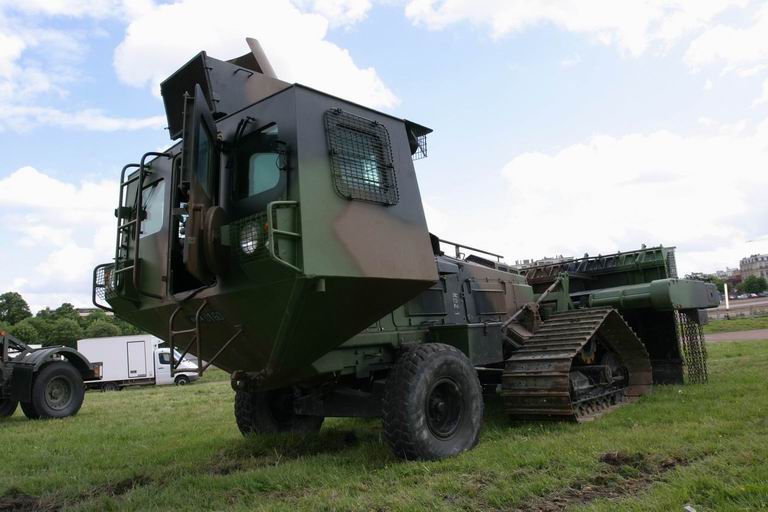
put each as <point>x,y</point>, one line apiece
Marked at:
<point>58,391</point>
<point>271,412</point>
<point>7,408</point>
<point>433,403</point>
<point>182,380</point>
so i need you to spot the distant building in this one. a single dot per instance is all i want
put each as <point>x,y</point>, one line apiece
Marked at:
<point>755,265</point>
<point>87,311</point>
<point>727,273</point>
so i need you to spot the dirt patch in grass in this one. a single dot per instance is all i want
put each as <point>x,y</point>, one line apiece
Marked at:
<point>118,488</point>
<point>625,475</point>
<point>18,501</point>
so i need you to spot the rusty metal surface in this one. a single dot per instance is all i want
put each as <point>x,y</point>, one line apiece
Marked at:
<point>536,382</point>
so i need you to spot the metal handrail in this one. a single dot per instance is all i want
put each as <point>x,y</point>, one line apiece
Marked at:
<point>273,230</point>
<point>458,248</point>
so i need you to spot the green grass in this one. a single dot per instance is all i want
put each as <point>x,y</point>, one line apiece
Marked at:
<point>169,448</point>
<point>736,324</point>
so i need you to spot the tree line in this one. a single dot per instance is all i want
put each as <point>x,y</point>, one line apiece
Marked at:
<point>752,284</point>
<point>60,326</point>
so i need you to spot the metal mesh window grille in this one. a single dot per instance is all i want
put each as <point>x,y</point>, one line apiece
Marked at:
<point>421,152</point>
<point>693,347</point>
<point>104,284</point>
<point>361,158</point>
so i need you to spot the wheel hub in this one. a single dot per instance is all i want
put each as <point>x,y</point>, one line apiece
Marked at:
<point>444,408</point>
<point>58,393</point>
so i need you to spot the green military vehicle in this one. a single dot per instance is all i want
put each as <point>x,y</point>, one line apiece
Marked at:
<point>283,239</point>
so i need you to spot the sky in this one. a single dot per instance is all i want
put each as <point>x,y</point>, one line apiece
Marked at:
<point>560,127</point>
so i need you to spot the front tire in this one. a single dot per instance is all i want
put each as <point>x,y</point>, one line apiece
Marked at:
<point>182,380</point>
<point>7,408</point>
<point>58,391</point>
<point>433,403</point>
<point>271,412</point>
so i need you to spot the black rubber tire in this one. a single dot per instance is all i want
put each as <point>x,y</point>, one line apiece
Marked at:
<point>29,411</point>
<point>413,386</point>
<point>64,376</point>
<point>181,380</point>
<point>110,386</point>
<point>271,412</point>
<point>7,408</point>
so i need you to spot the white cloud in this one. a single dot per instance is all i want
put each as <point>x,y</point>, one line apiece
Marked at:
<point>742,48</point>
<point>165,37</point>
<point>22,118</point>
<point>700,192</point>
<point>703,193</point>
<point>68,8</point>
<point>59,231</point>
<point>632,26</point>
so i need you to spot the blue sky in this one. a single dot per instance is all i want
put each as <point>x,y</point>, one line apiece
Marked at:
<point>561,127</point>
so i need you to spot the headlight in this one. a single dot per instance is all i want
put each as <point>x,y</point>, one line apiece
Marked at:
<point>249,238</point>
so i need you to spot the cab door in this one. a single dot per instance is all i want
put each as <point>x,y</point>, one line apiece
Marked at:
<point>162,368</point>
<point>200,183</point>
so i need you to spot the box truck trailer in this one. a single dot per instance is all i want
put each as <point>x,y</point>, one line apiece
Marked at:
<point>135,361</point>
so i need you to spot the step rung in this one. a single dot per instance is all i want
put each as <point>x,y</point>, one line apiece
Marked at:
<point>185,331</point>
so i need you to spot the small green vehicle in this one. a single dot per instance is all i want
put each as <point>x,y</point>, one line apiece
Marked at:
<point>283,239</point>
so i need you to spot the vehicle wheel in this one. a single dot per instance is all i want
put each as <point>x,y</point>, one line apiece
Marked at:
<point>182,380</point>
<point>57,391</point>
<point>29,411</point>
<point>433,403</point>
<point>272,412</point>
<point>7,408</point>
<point>110,386</point>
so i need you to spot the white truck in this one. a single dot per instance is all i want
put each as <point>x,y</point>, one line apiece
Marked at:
<point>134,361</point>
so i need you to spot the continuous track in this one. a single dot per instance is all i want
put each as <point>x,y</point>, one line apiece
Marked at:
<point>537,378</point>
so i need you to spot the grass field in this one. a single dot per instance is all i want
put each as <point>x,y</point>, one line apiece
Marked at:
<point>173,448</point>
<point>736,324</point>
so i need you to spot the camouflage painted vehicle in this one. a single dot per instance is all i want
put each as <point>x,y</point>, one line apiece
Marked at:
<point>283,239</point>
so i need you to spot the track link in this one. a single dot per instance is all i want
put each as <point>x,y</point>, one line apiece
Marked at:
<point>536,383</point>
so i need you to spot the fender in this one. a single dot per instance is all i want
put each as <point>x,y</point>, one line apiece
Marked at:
<point>26,366</point>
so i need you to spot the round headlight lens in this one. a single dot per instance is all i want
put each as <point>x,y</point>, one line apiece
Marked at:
<point>249,238</point>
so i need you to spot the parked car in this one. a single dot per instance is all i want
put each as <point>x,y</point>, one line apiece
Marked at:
<point>135,361</point>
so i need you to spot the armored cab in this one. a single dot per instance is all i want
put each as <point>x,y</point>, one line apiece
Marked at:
<point>283,222</point>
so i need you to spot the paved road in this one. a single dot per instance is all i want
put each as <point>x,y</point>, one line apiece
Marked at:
<point>757,334</point>
<point>745,303</point>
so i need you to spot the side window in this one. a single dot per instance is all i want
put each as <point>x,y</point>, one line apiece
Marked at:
<point>164,358</point>
<point>153,205</point>
<point>260,159</point>
<point>263,172</point>
<point>361,158</point>
<point>204,157</point>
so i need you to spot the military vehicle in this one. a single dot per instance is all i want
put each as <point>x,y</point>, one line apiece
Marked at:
<point>283,239</point>
<point>47,382</point>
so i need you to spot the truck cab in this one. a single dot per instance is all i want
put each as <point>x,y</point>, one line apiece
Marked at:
<point>180,377</point>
